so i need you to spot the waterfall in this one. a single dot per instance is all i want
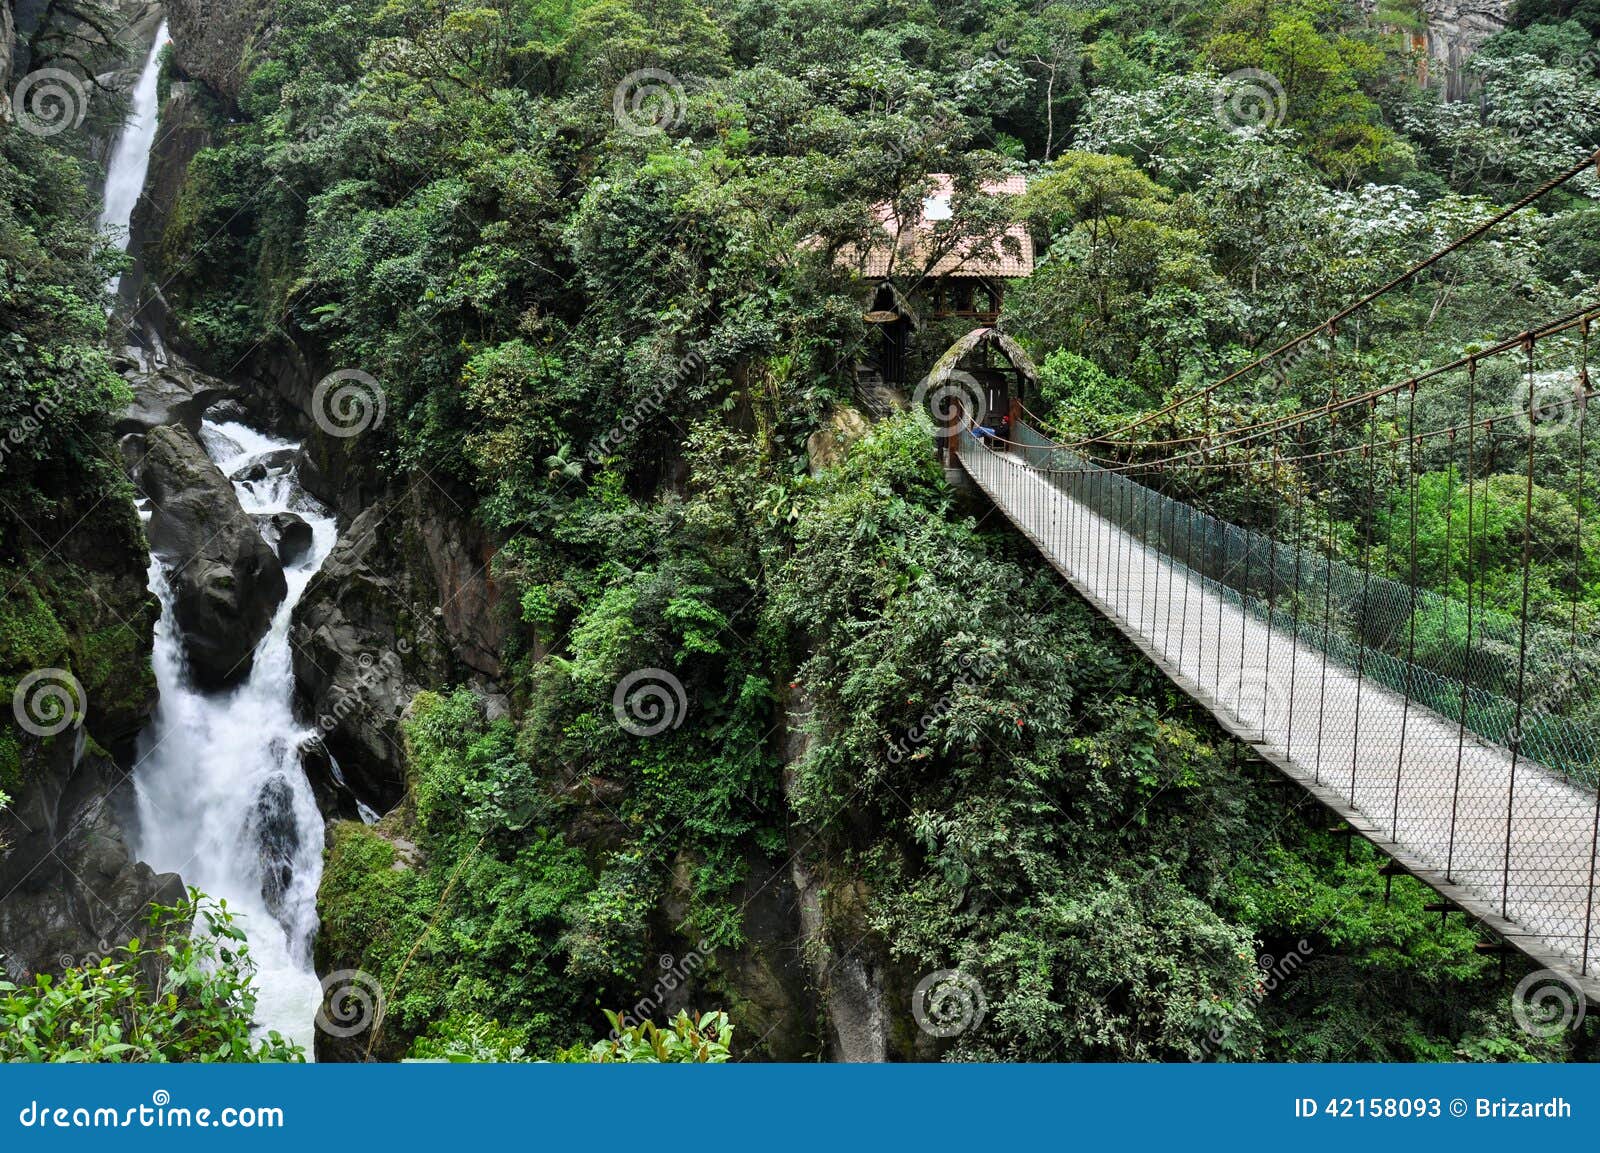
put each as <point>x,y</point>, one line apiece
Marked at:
<point>130,157</point>
<point>222,796</point>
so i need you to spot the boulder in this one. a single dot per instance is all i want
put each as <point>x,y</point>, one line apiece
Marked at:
<point>827,446</point>
<point>279,460</point>
<point>73,888</point>
<point>226,581</point>
<point>169,392</point>
<point>228,410</point>
<point>292,534</point>
<point>406,600</point>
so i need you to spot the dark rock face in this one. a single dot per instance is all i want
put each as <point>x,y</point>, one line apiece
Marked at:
<point>404,602</point>
<point>1455,29</point>
<point>226,579</point>
<point>293,536</point>
<point>69,886</point>
<point>166,393</point>
<point>185,130</point>
<point>73,888</point>
<point>210,37</point>
<point>277,839</point>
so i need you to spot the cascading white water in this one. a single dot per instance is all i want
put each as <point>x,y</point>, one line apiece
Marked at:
<point>222,796</point>
<point>130,157</point>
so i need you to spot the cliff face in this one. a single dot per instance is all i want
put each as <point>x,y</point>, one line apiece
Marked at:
<point>75,639</point>
<point>1452,31</point>
<point>1455,29</point>
<point>213,38</point>
<point>8,45</point>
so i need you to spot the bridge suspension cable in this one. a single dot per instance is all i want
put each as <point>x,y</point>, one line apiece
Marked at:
<point>1331,324</point>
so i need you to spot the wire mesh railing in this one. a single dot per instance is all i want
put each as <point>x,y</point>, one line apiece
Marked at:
<point>1398,699</point>
<point>1358,616</point>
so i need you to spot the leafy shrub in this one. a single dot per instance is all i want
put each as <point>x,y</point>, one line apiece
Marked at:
<point>179,995</point>
<point>703,1040</point>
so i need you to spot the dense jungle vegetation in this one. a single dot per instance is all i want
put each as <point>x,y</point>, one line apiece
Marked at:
<point>442,193</point>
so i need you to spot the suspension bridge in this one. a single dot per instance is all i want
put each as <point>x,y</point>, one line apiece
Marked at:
<point>1455,732</point>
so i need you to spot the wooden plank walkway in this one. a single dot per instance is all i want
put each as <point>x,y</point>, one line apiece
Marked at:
<point>1401,774</point>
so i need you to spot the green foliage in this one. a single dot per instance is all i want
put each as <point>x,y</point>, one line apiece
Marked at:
<point>611,343</point>
<point>467,1038</point>
<point>474,928</point>
<point>706,1040</point>
<point>184,993</point>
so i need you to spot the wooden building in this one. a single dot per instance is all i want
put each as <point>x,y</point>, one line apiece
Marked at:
<point>924,269</point>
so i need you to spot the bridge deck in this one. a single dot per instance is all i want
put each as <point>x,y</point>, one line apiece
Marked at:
<point>1432,799</point>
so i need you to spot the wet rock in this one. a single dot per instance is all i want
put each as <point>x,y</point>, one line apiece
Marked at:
<point>226,580</point>
<point>334,798</point>
<point>274,463</point>
<point>404,601</point>
<point>73,889</point>
<point>228,410</point>
<point>167,393</point>
<point>277,840</point>
<point>293,536</point>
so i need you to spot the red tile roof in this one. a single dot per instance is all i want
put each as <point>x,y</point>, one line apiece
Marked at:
<point>911,246</point>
